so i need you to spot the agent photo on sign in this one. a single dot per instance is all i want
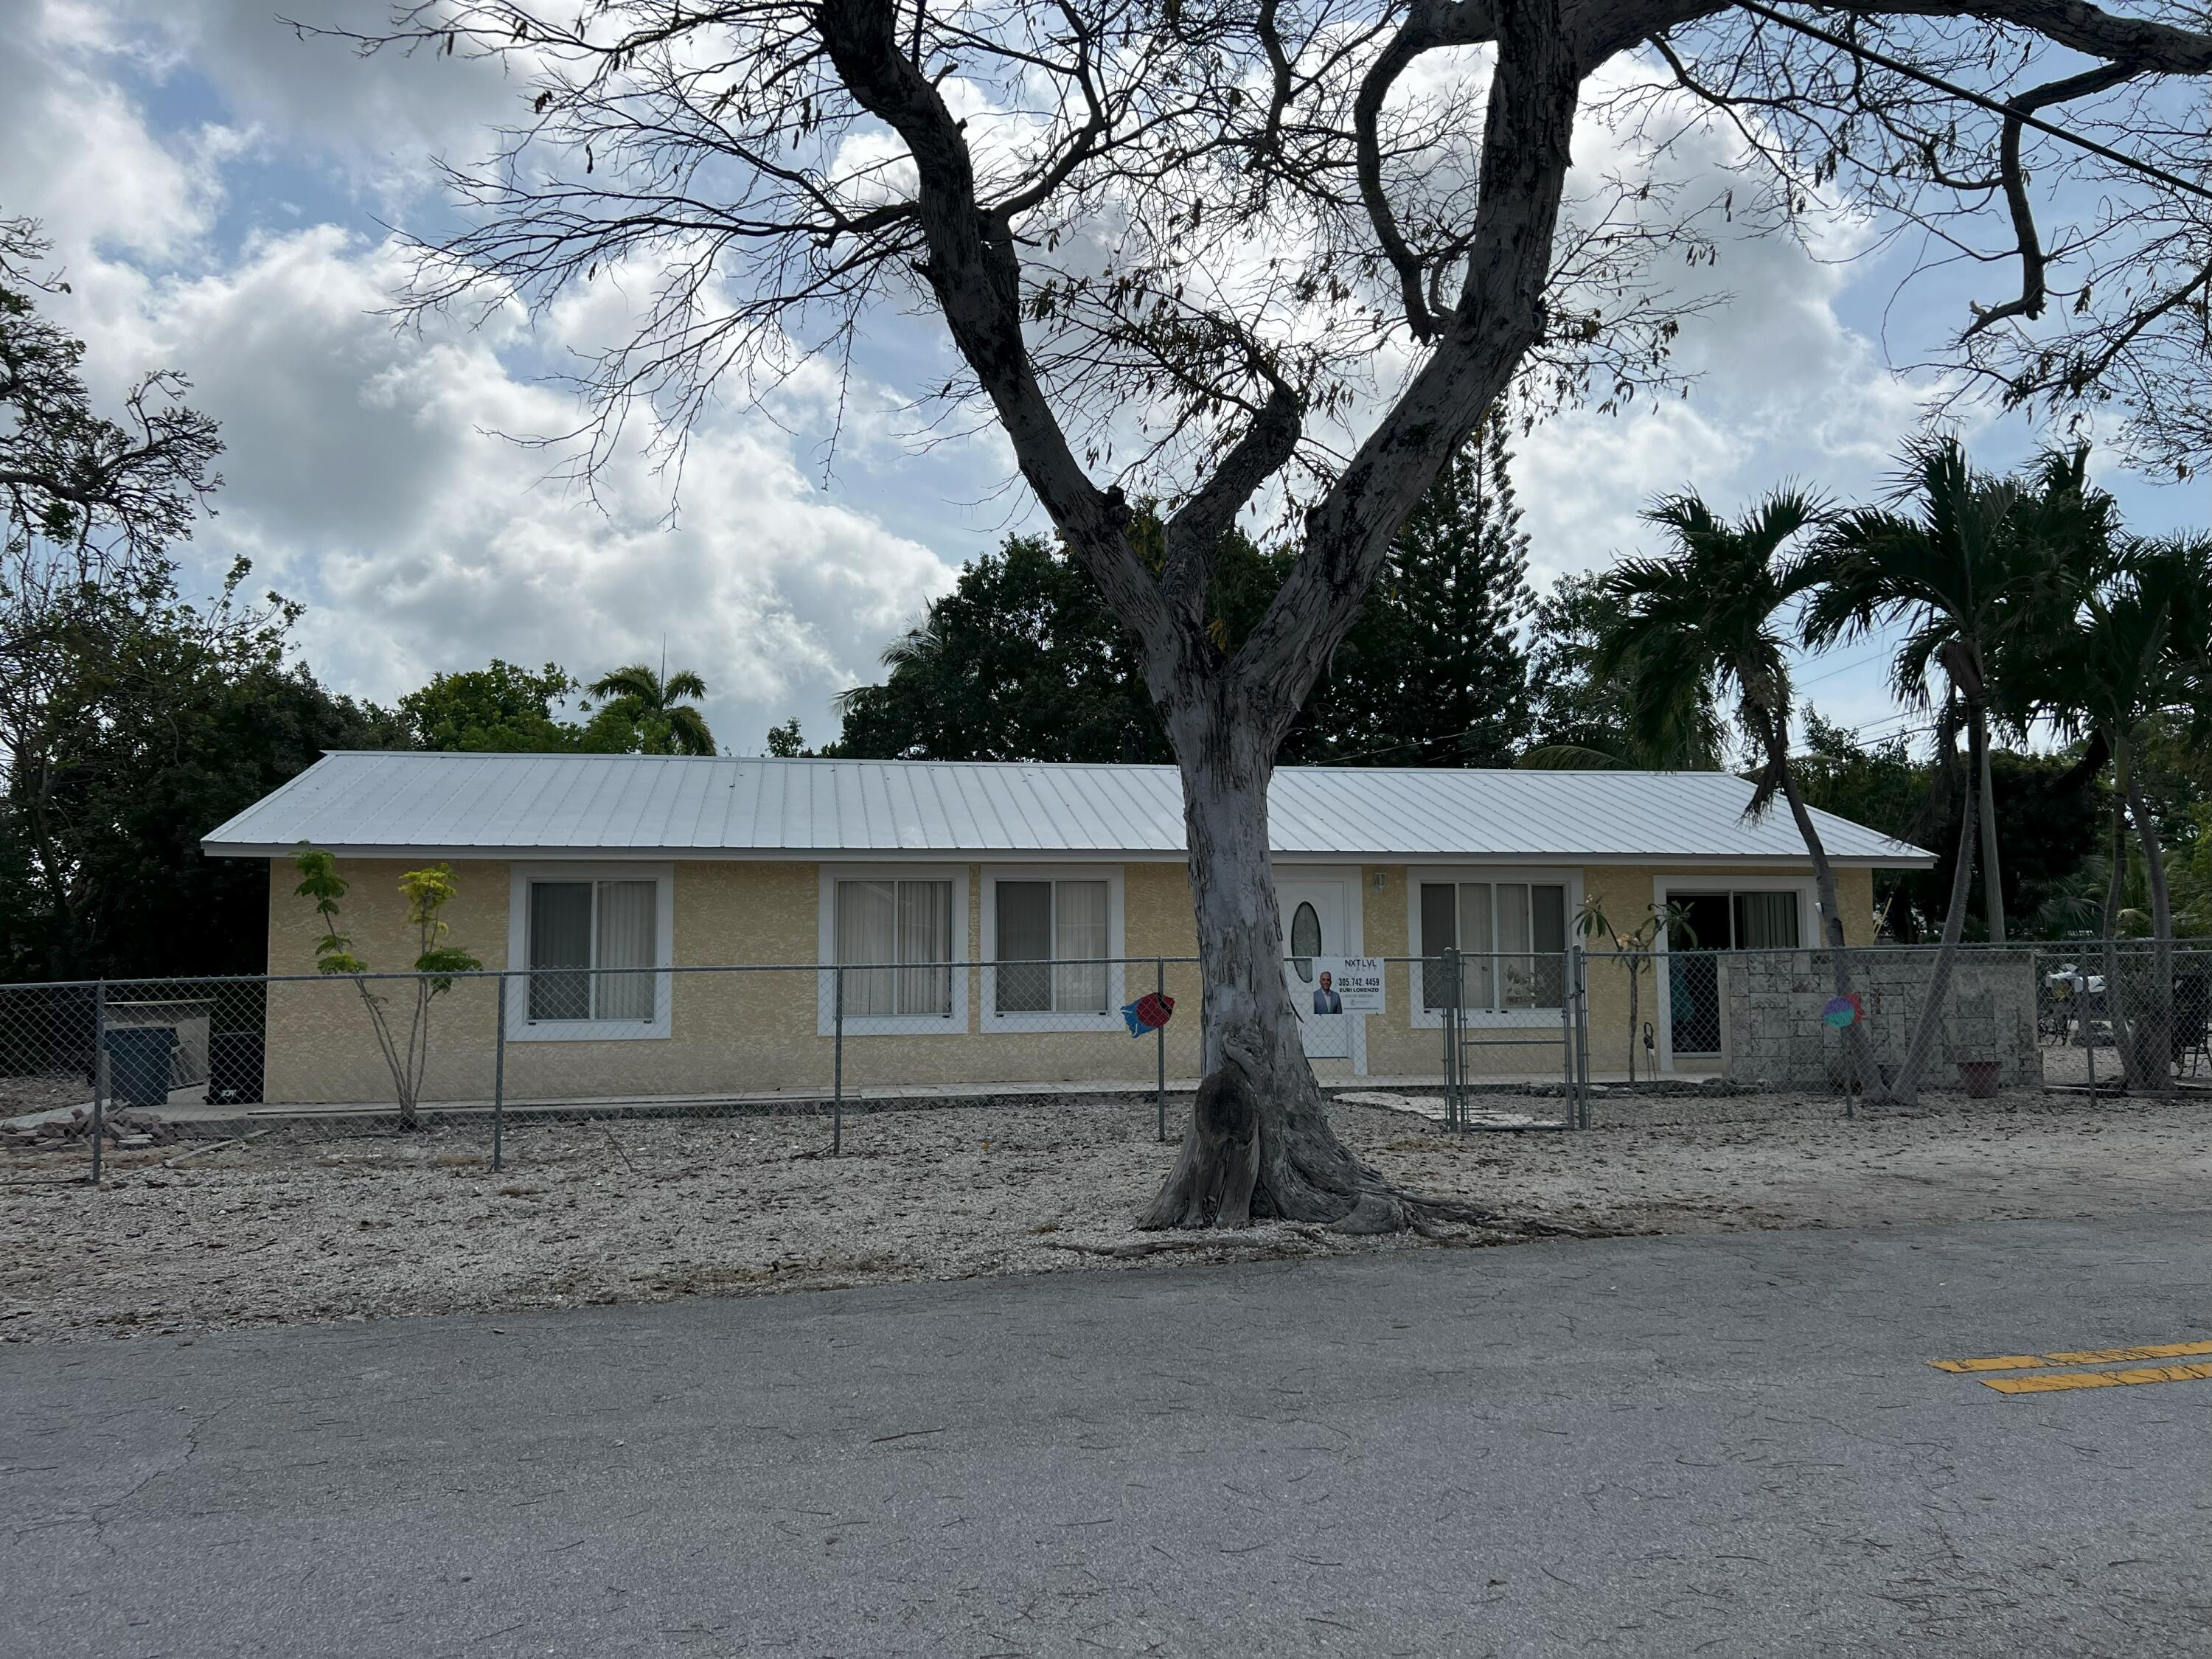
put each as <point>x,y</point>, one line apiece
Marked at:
<point>1326,1000</point>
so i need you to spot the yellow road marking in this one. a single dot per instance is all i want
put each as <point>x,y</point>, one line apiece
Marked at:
<point>2003,1362</point>
<point>2028,1362</point>
<point>2047,1384</point>
<point>2108,1356</point>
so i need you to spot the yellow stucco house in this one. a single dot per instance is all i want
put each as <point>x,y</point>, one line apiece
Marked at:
<point>995,919</point>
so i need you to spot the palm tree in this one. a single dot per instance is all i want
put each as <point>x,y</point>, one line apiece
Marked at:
<point>1954,572</point>
<point>666,724</point>
<point>2138,655</point>
<point>1700,627</point>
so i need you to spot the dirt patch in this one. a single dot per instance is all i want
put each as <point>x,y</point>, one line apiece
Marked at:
<point>287,1230</point>
<point>22,1095</point>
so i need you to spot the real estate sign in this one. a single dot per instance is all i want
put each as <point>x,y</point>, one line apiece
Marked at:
<point>1354,984</point>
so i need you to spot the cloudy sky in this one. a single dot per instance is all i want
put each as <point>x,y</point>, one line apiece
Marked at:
<point>218,190</point>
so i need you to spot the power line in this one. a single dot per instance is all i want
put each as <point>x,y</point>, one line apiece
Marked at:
<point>1980,100</point>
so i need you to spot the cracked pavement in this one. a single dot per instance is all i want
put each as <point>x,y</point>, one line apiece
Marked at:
<point>1719,1445</point>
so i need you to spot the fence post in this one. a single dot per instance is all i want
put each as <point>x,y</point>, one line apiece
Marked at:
<point>99,1076</point>
<point>837,1073</point>
<point>2089,1031</point>
<point>1569,1106</point>
<point>498,1071</point>
<point>1451,1024</point>
<point>1160,1086</point>
<point>1851,1045</point>
<point>1582,1035</point>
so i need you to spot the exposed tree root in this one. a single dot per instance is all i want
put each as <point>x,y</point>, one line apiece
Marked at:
<point>1231,1172</point>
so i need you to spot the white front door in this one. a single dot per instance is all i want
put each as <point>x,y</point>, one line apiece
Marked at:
<point>1320,918</point>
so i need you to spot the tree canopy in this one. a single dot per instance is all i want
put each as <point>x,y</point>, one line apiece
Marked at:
<point>157,720</point>
<point>1024,661</point>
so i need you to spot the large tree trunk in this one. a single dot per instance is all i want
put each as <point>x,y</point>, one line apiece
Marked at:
<point>1992,873</point>
<point>1904,1087</point>
<point>1227,717</point>
<point>1286,1162</point>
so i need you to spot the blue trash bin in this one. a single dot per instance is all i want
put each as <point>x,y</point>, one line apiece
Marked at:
<point>138,1065</point>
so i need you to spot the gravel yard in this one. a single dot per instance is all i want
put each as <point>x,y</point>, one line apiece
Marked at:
<point>287,1230</point>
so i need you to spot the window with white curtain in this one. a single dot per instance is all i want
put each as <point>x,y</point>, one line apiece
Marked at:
<point>1512,941</point>
<point>591,946</point>
<point>894,937</point>
<point>1765,921</point>
<point>1061,927</point>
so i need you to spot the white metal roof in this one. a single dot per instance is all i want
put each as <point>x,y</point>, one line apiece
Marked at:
<point>406,804</point>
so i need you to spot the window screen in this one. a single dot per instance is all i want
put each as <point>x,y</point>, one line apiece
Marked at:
<point>898,937</point>
<point>1512,940</point>
<point>560,950</point>
<point>1024,929</point>
<point>1440,933</point>
<point>578,932</point>
<point>1060,928</point>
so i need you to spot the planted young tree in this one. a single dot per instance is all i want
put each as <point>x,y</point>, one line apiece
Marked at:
<point>427,891</point>
<point>1212,253</point>
<point>1634,949</point>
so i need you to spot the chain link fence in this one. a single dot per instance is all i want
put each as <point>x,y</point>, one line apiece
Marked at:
<point>164,1069</point>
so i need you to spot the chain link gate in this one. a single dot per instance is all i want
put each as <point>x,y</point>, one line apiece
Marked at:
<point>1474,989</point>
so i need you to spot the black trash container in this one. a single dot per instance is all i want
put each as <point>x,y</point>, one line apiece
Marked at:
<point>138,1065</point>
<point>234,1067</point>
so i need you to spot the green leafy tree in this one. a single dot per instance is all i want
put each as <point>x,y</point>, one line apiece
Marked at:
<point>1702,626</point>
<point>786,742</point>
<point>2051,805</point>
<point>1023,661</point>
<point>427,891</point>
<point>1433,671</point>
<point>1020,661</point>
<point>502,709</point>
<point>90,502</point>
<point>650,712</point>
<point>1579,718</point>
<point>149,720</point>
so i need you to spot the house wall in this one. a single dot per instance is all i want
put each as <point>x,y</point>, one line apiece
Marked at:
<point>743,1032</point>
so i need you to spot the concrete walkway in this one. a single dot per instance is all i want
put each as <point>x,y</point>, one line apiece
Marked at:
<point>1722,1445</point>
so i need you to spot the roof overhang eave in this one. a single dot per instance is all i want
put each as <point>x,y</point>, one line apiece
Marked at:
<point>242,849</point>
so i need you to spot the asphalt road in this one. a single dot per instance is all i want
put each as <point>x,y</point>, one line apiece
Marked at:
<point>1717,1445</point>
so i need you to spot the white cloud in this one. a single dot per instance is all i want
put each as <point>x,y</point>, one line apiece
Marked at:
<point>362,471</point>
<point>364,475</point>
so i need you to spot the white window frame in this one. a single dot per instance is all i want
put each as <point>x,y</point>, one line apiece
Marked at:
<point>1426,1018</point>
<point>1053,1020</point>
<point>954,1024</point>
<point>520,1028</point>
<point>1809,927</point>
